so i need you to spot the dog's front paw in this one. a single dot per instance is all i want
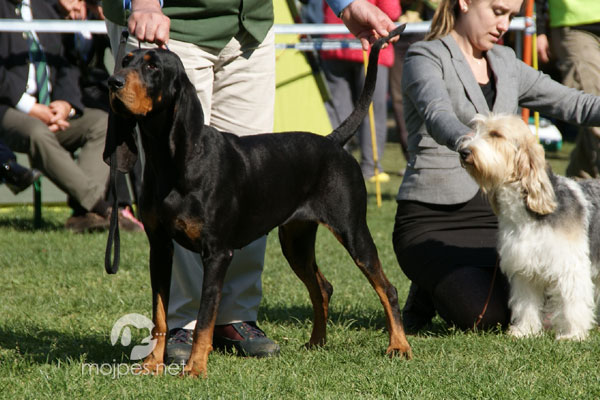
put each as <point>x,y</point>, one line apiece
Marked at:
<point>151,366</point>
<point>399,347</point>
<point>577,336</point>
<point>400,351</point>
<point>520,331</point>
<point>195,369</point>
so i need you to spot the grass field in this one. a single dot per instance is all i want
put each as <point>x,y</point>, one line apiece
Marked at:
<point>58,307</point>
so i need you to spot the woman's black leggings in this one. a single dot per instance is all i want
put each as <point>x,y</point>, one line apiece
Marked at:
<point>449,252</point>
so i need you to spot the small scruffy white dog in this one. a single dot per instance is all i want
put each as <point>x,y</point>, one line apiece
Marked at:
<point>549,228</point>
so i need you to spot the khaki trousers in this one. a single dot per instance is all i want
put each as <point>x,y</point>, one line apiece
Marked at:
<point>236,87</point>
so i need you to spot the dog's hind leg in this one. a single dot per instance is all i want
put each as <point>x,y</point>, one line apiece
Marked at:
<point>161,256</point>
<point>215,267</point>
<point>357,239</point>
<point>298,245</point>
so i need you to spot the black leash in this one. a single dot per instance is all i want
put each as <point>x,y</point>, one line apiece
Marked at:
<point>114,237</point>
<point>113,230</point>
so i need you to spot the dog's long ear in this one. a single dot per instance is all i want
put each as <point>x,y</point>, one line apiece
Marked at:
<point>188,115</point>
<point>120,138</point>
<point>531,171</point>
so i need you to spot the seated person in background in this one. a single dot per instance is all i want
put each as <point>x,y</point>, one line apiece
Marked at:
<point>445,230</point>
<point>87,51</point>
<point>14,175</point>
<point>41,114</point>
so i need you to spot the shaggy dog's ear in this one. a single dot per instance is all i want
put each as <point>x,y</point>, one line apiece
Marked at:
<point>531,172</point>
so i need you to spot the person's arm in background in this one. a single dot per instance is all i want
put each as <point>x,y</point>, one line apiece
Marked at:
<point>12,87</point>
<point>542,19</point>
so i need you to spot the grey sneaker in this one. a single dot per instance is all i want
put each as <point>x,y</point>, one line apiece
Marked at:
<point>247,338</point>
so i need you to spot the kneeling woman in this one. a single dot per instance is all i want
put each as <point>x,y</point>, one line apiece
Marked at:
<point>445,231</point>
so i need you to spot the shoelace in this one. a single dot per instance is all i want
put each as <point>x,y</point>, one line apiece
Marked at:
<point>182,336</point>
<point>252,331</point>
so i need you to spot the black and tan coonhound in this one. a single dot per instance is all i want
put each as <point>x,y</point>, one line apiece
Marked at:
<point>213,192</point>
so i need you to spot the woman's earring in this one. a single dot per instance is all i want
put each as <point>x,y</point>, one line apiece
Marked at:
<point>465,9</point>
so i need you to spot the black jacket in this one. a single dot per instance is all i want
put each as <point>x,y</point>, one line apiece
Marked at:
<point>14,60</point>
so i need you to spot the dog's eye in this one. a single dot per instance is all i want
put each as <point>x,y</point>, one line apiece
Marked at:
<point>126,60</point>
<point>495,134</point>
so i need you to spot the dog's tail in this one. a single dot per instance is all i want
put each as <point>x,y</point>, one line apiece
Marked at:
<point>344,132</point>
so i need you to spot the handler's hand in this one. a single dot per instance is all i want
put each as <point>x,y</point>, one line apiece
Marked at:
<point>148,23</point>
<point>367,22</point>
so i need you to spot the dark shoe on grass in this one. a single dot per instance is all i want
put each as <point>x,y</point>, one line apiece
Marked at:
<point>88,222</point>
<point>247,338</point>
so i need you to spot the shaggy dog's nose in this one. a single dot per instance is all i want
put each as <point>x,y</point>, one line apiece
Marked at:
<point>465,152</point>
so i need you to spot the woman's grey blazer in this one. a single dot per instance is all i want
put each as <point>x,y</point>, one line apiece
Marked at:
<point>441,97</point>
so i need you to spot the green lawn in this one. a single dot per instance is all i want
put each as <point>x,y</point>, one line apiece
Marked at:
<point>58,307</point>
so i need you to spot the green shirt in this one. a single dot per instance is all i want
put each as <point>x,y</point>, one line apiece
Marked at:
<point>573,12</point>
<point>207,23</point>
